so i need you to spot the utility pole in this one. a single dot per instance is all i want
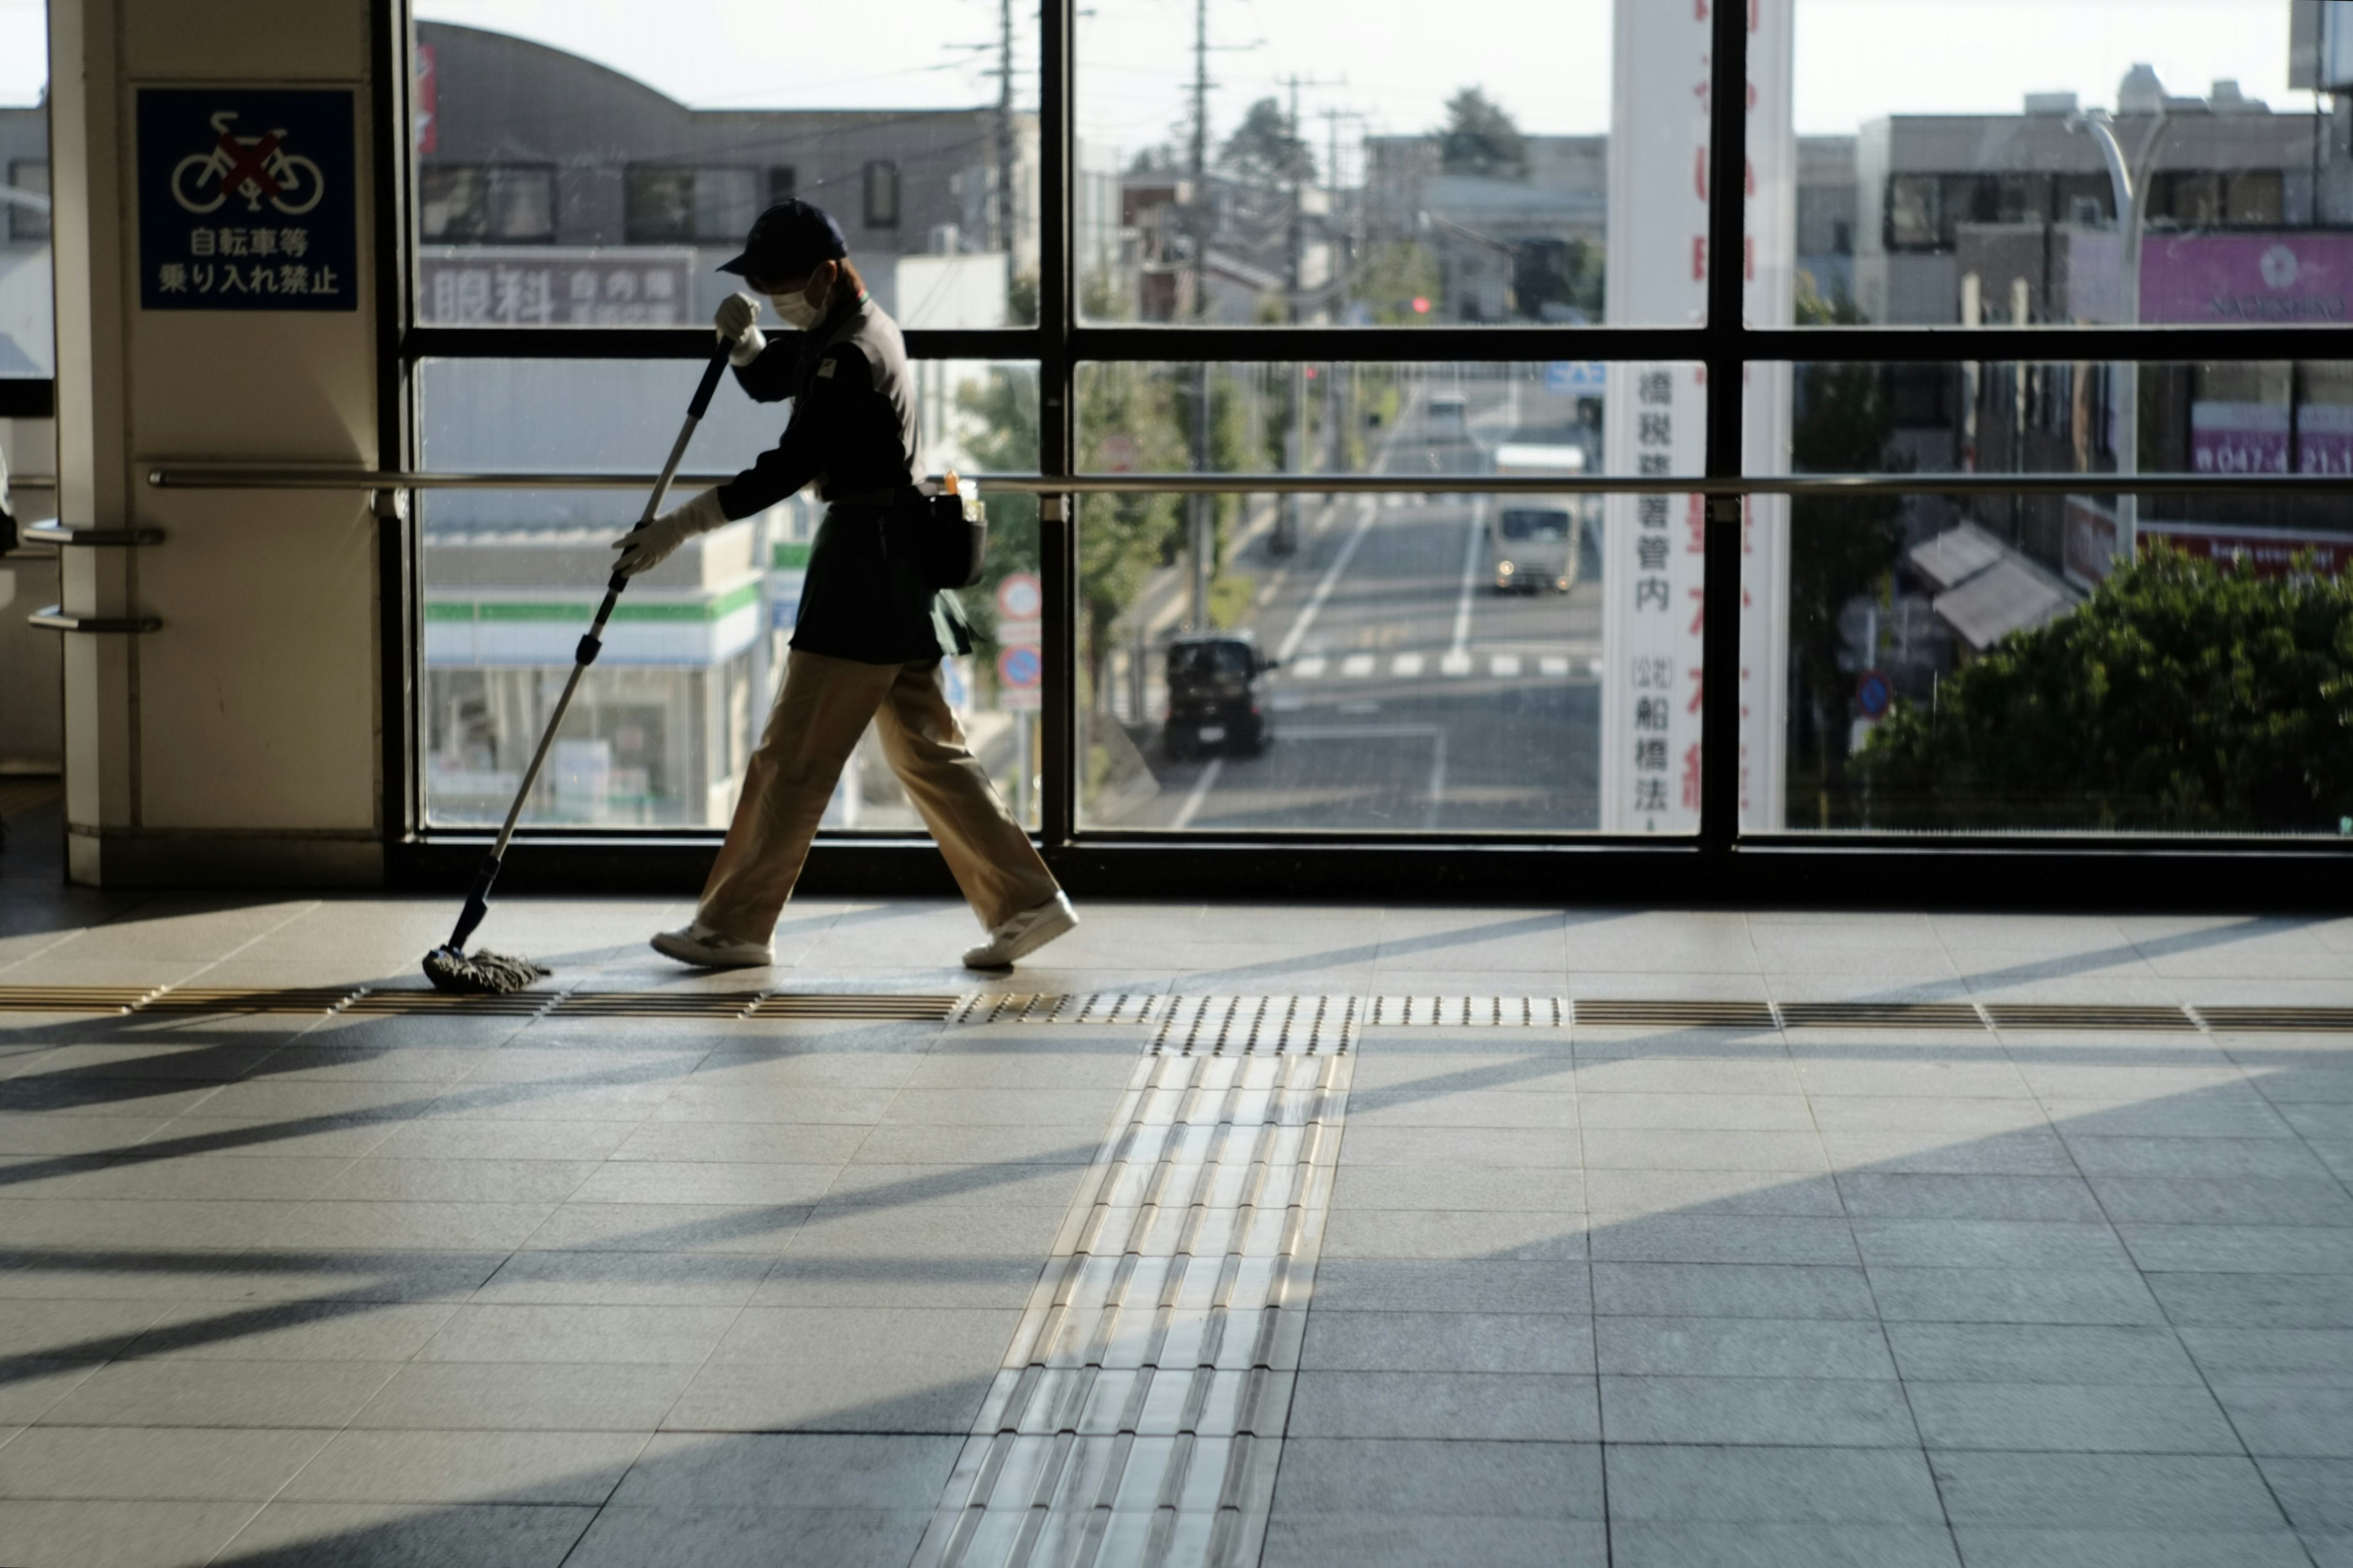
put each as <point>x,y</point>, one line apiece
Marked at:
<point>1339,235</point>
<point>1002,213</point>
<point>1286,529</point>
<point>1198,508</point>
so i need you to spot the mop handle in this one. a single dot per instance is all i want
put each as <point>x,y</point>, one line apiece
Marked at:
<point>593,644</point>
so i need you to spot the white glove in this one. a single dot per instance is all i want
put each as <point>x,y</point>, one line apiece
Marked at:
<point>650,544</point>
<point>735,320</point>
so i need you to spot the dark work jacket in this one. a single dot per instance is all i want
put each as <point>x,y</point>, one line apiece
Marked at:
<point>852,434</point>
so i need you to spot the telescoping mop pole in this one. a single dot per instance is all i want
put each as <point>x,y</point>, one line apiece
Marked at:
<point>447,966</point>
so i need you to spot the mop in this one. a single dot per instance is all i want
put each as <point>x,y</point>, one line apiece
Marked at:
<point>485,973</point>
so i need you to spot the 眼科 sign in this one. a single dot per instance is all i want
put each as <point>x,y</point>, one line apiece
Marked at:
<point>248,199</point>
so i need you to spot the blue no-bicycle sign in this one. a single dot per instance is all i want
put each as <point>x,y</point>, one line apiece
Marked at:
<point>248,199</point>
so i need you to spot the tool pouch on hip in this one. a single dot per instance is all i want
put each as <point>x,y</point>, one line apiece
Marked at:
<point>947,535</point>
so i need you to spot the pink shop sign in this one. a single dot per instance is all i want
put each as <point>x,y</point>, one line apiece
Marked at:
<point>2250,279</point>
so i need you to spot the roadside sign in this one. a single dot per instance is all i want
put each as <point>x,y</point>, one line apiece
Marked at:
<point>1011,633</point>
<point>1874,695</point>
<point>248,199</point>
<point>1020,596</point>
<point>1585,378</point>
<point>1020,678</point>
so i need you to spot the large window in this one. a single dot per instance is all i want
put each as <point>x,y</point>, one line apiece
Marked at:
<point>27,350</point>
<point>1605,420</point>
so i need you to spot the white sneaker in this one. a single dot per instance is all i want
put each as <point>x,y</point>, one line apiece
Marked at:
<point>1024,934</point>
<point>704,947</point>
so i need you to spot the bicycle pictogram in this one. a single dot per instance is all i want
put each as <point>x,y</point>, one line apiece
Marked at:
<point>256,168</point>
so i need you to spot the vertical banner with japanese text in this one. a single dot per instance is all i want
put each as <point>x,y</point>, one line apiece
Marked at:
<point>1653,581</point>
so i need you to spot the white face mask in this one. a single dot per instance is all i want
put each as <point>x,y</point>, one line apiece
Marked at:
<point>797,310</point>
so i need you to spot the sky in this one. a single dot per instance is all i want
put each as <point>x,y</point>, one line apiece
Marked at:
<point>1395,62</point>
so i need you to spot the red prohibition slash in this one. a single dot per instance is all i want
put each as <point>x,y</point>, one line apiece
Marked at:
<point>249,163</point>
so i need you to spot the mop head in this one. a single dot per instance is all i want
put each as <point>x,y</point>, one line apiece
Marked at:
<point>486,973</point>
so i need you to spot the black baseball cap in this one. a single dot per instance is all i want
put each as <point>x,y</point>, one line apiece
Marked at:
<point>787,240</point>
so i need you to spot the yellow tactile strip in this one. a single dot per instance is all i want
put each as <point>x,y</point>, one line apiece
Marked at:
<point>362,1001</point>
<point>1141,1407</point>
<point>1188,1018</point>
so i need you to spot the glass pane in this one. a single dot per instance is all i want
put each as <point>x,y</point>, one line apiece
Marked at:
<point>1989,188</point>
<point>1463,661</point>
<point>665,720</point>
<point>591,165</point>
<point>2057,416</point>
<point>27,334</point>
<point>1888,600</point>
<point>1947,677</point>
<point>1499,163</point>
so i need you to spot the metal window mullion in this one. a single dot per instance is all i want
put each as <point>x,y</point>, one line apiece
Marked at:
<point>1727,101</point>
<point>1058,419</point>
<point>400,646</point>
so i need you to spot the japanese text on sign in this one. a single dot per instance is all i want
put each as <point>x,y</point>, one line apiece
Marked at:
<point>540,286</point>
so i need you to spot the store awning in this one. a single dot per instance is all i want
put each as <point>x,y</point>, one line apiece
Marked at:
<point>1955,555</point>
<point>2007,596</point>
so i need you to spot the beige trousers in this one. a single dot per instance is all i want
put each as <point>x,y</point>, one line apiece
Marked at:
<point>821,711</point>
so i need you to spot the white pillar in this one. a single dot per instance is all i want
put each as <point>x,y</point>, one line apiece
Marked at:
<point>237,743</point>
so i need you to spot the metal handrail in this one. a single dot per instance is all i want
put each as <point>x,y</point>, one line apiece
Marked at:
<point>222,475</point>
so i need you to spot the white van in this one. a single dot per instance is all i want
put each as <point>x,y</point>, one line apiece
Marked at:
<point>1447,416</point>
<point>1534,542</point>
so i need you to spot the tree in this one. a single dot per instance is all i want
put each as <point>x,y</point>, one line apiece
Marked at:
<point>1479,137</point>
<point>1121,537</point>
<point>1265,149</point>
<point>2180,697</point>
<point>1564,273</point>
<point>1841,547</point>
<point>1392,276</point>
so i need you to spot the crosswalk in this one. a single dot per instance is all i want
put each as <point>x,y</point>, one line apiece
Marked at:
<point>1456,665</point>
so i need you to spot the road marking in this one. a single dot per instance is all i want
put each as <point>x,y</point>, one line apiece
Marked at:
<point>1201,788</point>
<point>1504,666</point>
<point>1435,790</point>
<point>1473,557</point>
<point>1356,666</point>
<point>1407,666</point>
<point>1554,666</point>
<point>1455,664</point>
<point>1311,668</point>
<point>1298,632</point>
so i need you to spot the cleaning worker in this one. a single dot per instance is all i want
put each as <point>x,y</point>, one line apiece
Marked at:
<point>871,638</point>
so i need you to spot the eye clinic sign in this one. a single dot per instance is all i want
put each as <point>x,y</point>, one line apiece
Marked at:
<point>248,199</point>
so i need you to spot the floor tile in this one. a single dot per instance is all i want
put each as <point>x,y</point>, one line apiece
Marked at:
<point>2118,1491</point>
<point>187,1463</point>
<point>396,1535</point>
<point>811,1537</point>
<point>1737,1485</point>
<point>1515,1406</point>
<point>581,1467</point>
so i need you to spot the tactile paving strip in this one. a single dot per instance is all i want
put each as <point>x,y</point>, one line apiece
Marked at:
<point>1140,1411</point>
<point>1881,1015</point>
<point>2269,1020</point>
<point>73,998</point>
<point>1097,1007</point>
<point>1469,1012</point>
<point>1639,1015</point>
<point>1193,1021</point>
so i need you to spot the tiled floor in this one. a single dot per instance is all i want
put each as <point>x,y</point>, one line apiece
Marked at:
<point>293,1290</point>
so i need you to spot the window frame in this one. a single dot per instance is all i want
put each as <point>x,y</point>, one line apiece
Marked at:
<point>490,175</point>
<point>1723,861</point>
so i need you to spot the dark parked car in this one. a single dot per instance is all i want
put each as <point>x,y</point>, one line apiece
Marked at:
<point>1213,703</point>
